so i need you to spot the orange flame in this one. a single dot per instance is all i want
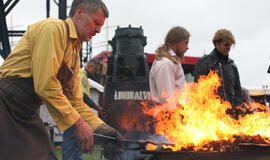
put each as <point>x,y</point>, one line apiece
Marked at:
<point>201,118</point>
<point>151,146</point>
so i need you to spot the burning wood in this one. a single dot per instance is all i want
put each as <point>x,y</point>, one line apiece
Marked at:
<point>200,123</point>
<point>241,143</point>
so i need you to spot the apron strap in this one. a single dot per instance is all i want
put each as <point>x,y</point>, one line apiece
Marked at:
<point>67,31</point>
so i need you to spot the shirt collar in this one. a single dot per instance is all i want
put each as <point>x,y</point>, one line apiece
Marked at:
<point>73,32</point>
<point>72,29</point>
<point>83,71</point>
<point>173,54</point>
<point>221,56</point>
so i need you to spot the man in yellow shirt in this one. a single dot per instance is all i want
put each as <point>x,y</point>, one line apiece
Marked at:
<point>44,66</point>
<point>91,69</point>
<point>70,149</point>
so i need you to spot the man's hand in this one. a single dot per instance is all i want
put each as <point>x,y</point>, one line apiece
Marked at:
<point>112,149</point>
<point>84,136</point>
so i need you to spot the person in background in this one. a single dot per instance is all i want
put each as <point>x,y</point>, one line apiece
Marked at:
<point>70,150</point>
<point>166,74</point>
<point>44,66</point>
<point>91,69</point>
<point>219,60</point>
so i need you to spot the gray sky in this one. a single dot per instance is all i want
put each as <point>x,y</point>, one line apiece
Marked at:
<point>249,21</point>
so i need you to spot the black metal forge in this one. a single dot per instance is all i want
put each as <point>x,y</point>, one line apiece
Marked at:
<point>247,151</point>
<point>126,84</point>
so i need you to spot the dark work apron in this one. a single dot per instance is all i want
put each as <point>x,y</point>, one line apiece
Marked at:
<point>22,133</point>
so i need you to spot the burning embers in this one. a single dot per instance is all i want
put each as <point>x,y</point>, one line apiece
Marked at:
<point>200,123</point>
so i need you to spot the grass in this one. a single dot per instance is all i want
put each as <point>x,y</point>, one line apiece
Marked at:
<point>96,155</point>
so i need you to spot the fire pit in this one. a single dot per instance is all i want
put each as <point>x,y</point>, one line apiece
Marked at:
<point>201,128</point>
<point>171,155</point>
<point>196,125</point>
<point>247,151</point>
<point>240,149</point>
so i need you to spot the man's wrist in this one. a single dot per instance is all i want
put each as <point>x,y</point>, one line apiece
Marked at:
<point>78,122</point>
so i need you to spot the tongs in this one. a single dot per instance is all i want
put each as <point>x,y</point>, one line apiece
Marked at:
<point>141,143</point>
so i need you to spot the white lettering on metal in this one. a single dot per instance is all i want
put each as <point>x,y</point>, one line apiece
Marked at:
<point>131,95</point>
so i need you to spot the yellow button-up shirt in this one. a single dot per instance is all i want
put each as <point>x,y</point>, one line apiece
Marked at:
<point>85,86</point>
<point>39,55</point>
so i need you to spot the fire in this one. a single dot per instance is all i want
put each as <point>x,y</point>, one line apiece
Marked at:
<point>151,146</point>
<point>201,118</point>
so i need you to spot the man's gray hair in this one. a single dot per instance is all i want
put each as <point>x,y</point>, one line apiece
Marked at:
<point>89,5</point>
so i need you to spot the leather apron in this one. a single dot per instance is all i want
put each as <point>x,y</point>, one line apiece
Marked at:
<point>23,135</point>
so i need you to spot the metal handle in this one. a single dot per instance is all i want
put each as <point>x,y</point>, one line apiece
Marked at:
<point>143,142</point>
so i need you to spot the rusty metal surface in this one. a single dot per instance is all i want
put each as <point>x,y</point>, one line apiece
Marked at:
<point>253,144</point>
